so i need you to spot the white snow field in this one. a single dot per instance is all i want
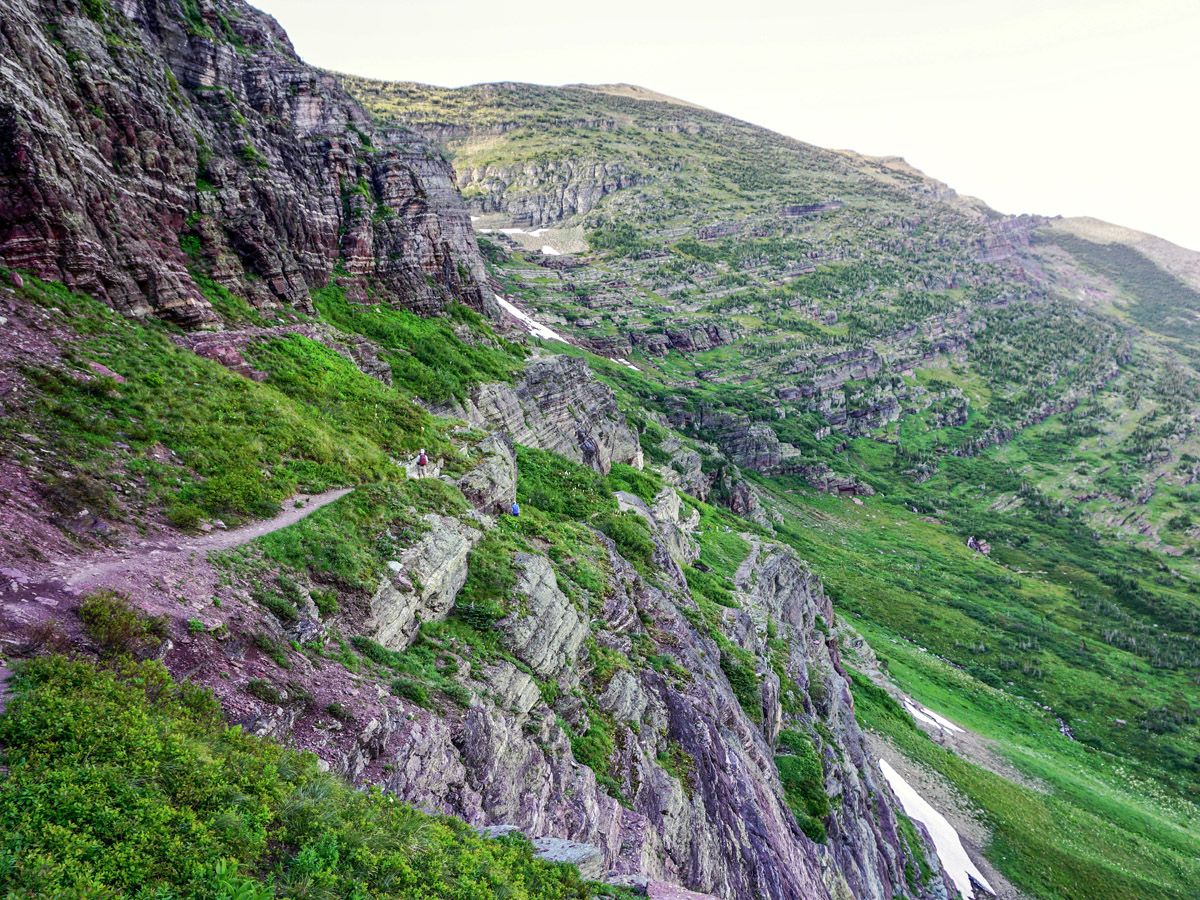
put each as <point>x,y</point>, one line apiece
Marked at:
<point>949,846</point>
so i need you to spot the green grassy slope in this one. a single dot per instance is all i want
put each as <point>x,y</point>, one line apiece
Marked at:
<point>122,783</point>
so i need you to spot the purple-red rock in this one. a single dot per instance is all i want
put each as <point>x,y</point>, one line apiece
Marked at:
<point>129,129</point>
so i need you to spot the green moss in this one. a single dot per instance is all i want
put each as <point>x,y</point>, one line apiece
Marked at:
<point>252,156</point>
<point>594,748</point>
<point>679,764</point>
<point>917,870</point>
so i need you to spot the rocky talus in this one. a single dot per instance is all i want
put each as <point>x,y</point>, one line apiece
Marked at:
<point>128,127</point>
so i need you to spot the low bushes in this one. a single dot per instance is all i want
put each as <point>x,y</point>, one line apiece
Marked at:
<point>122,783</point>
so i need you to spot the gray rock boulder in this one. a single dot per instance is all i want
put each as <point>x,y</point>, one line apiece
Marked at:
<point>422,584</point>
<point>560,407</point>
<point>588,859</point>
<point>545,631</point>
<point>492,485</point>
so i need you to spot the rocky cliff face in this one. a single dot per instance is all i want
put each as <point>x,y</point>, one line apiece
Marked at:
<point>533,195</point>
<point>558,407</point>
<point>701,802</point>
<point>127,126</point>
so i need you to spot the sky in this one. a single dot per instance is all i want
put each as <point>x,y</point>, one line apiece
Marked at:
<point>1071,107</point>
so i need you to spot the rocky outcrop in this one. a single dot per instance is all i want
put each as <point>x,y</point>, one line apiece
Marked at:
<point>823,478</point>
<point>779,595</point>
<point>422,584</point>
<point>491,486</point>
<point>131,124</point>
<point>536,194</point>
<point>686,468</point>
<point>686,340</point>
<point>718,824</point>
<point>560,407</point>
<point>750,445</point>
<point>545,631</point>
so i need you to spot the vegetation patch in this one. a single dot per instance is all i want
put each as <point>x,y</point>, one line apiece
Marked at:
<point>803,780</point>
<point>122,783</point>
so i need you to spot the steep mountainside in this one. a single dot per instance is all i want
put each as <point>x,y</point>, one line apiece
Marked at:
<point>237,313</point>
<point>160,155</point>
<point>980,430</point>
<point>830,454</point>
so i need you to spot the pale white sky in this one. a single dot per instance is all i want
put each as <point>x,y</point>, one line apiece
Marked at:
<point>1078,107</point>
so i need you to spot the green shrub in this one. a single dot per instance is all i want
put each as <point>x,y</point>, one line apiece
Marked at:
<point>185,516</point>
<point>739,667</point>
<point>594,748</point>
<point>411,689</point>
<point>121,783</point>
<point>284,611</point>
<point>326,602</point>
<point>679,764</point>
<point>427,358</point>
<point>239,447</point>
<point>116,627</point>
<point>491,579</point>
<point>273,649</point>
<point>803,779</point>
<point>631,534</point>
<point>264,690</point>
<point>559,487</point>
<point>340,712</point>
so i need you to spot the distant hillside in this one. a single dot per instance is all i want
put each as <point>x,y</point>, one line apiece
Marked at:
<point>821,325</point>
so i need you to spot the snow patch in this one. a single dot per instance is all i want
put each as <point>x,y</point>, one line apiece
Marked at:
<point>925,714</point>
<point>538,232</point>
<point>946,841</point>
<point>536,328</point>
<point>626,363</point>
<point>550,251</point>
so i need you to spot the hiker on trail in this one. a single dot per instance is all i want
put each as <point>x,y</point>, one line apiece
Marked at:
<point>422,462</point>
<point>515,509</point>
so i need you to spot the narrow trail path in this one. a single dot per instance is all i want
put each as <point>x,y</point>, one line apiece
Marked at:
<point>141,562</point>
<point>151,554</point>
<point>27,599</point>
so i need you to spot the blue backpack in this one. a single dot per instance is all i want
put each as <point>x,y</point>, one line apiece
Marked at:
<point>516,508</point>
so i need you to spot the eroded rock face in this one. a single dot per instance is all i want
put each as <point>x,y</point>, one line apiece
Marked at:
<point>776,587</point>
<point>534,195</point>
<point>545,631</point>
<point>422,584</point>
<point>558,407</point>
<point>124,131</point>
<point>492,485</point>
<point>685,340</point>
<point>717,822</point>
